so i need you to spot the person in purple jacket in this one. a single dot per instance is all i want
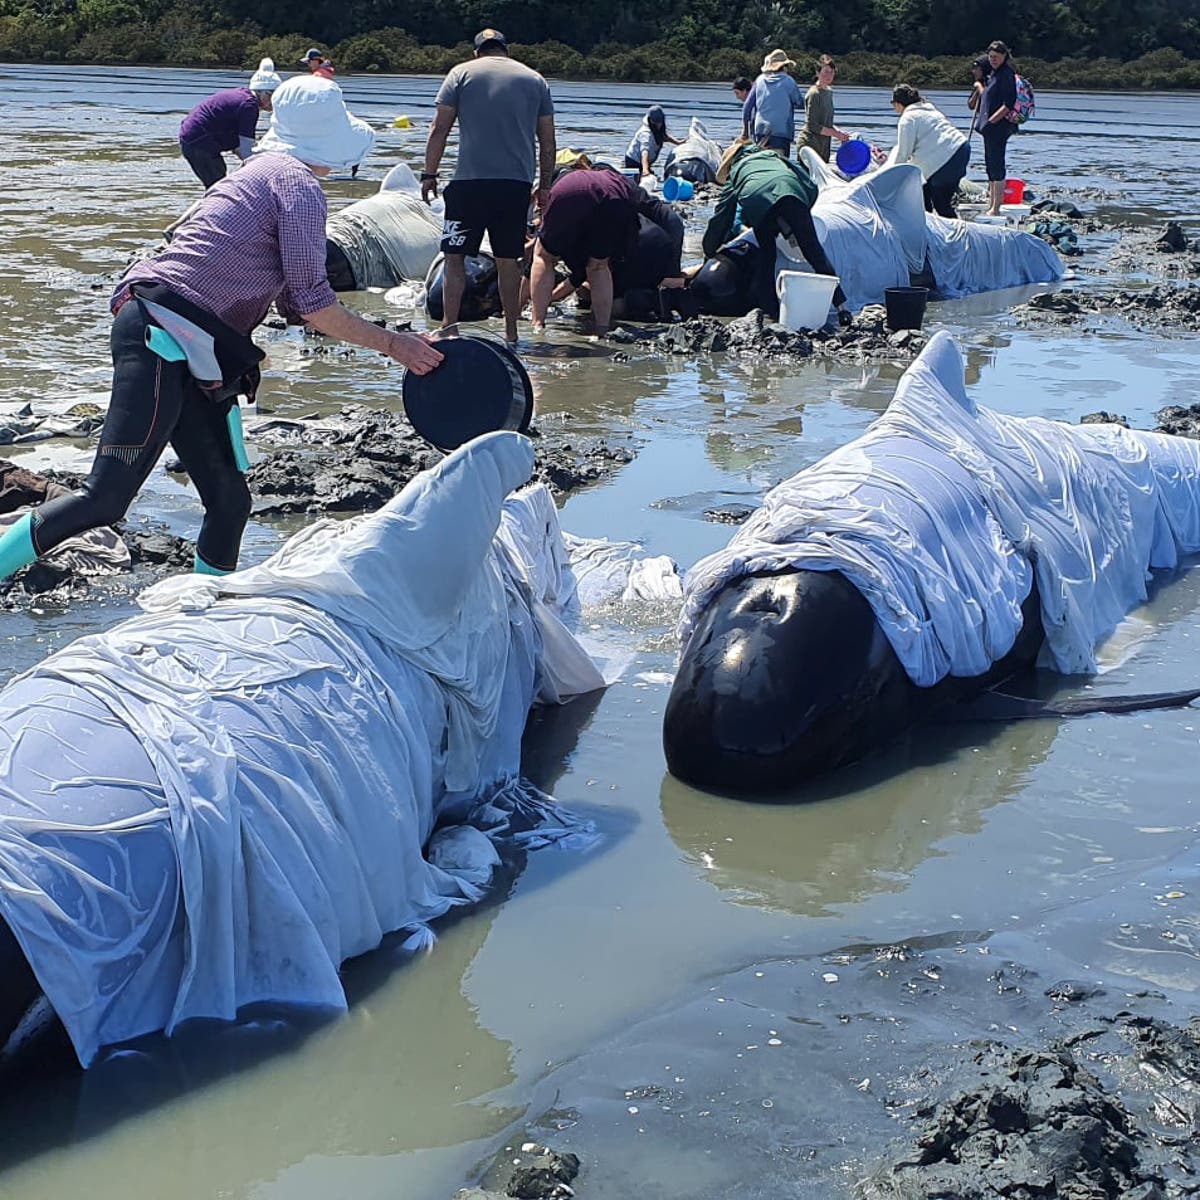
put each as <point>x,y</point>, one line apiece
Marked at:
<point>181,346</point>
<point>227,120</point>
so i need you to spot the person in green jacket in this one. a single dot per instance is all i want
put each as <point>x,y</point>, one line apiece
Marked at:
<point>775,196</point>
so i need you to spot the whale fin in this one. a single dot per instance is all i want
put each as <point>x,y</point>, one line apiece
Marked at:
<point>999,706</point>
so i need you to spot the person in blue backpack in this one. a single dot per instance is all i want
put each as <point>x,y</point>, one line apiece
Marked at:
<point>992,119</point>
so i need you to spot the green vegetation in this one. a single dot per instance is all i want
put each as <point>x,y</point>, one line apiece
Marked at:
<point>1081,44</point>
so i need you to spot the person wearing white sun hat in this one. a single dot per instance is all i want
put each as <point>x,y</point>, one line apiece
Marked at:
<point>181,346</point>
<point>310,121</point>
<point>226,120</point>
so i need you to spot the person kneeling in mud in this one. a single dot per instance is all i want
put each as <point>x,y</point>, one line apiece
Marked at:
<point>648,283</point>
<point>181,344</point>
<point>590,220</point>
<point>776,197</point>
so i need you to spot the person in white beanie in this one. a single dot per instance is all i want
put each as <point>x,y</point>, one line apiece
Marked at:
<point>181,345</point>
<point>227,120</point>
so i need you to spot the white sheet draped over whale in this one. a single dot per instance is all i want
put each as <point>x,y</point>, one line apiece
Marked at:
<point>876,232</point>
<point>943,510</point>
<point>218,802</point>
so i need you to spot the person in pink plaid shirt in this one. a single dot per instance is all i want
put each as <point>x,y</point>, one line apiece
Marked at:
<point>181,345</point>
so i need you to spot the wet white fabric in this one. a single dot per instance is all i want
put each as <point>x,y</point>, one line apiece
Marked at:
<point>218,802</point>
<point>699,145</point>
<point>387,238</point>
<point>873,231</point>
<point>943,511</point>
<point>966,257</point>
<point>876,233</point>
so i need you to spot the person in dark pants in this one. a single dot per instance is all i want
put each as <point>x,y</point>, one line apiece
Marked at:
<point>925,138</point>
<point>992,120</point>
<point>181,344</point>
<point>227,120</point>
<point>776,197</point>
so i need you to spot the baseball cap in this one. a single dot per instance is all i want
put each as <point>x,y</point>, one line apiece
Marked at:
<point>486,36</point>
<point>309,55</point>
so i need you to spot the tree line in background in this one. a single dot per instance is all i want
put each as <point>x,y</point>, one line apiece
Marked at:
<point>1080,44</point>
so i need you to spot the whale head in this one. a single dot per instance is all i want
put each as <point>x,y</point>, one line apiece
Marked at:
<point>785,676</point>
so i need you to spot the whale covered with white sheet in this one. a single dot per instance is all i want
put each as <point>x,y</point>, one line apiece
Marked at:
<point>947,548</point>
<point>217,802</point>
<point>878,235</point>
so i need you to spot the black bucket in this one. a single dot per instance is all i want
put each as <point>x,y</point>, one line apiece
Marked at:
<point>480,386</point>
<point>905,306</point>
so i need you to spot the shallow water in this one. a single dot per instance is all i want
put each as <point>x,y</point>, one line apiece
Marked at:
<point>591,968</point>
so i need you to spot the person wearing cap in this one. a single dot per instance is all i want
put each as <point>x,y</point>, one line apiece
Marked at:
<point>819,130</point>
<point>590,220</point>
<point>318,63</point>
<point>774,197</point>
<point>501,106</point>
<point>226,120</point>
<point>181,345</point>
<point>769,113</point>
<point>649,140</point>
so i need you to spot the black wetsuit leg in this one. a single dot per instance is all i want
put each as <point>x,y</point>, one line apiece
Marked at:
<point>791,217</point>
<point>201,439</point>
<point>153,402</point>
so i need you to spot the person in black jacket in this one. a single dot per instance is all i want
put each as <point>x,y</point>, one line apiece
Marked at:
<point>992,120</point>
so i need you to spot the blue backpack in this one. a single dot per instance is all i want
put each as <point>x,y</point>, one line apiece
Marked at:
<point>1025,105</point>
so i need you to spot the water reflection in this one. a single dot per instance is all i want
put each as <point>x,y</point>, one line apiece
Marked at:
<point>862,831</point>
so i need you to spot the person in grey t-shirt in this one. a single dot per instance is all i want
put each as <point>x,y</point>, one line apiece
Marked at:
<point>501,106</point>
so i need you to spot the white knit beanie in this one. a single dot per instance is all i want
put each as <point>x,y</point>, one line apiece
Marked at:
<point>266,78</point>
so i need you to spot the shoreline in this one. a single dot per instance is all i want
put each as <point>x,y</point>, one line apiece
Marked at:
<point>375,55</point>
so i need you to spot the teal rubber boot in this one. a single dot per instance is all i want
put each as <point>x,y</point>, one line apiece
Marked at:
<point>16,546</point>
<point>200,567</point>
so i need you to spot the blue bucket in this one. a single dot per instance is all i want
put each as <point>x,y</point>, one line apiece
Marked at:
<point>853,157</point>
<point>674,188</point>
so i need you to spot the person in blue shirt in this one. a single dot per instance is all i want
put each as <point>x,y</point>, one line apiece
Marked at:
<point>769,114</point>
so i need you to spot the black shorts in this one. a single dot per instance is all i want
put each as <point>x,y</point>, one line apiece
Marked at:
<point>577,232</point>
<point>498,206</point>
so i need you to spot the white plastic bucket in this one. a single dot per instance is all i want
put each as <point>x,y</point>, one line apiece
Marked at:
<point>804,299</point>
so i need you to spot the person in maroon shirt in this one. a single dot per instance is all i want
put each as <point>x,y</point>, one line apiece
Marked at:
<point>590,219</point>
<point>226,120</point>
<point>181,344</point>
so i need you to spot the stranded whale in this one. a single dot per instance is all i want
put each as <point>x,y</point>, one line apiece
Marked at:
<point>217,802</point>
<point>945,549</point>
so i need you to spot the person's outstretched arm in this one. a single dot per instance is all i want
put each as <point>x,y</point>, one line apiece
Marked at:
<point>435,147</point>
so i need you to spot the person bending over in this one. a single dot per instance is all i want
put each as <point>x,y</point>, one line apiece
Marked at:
<point>648,142</point>
<point>590,220</point>
<point>775,196</point>
<point>501,106</point>
<point>925,138</point>
<point>226,120</point>
<point>181,344</point>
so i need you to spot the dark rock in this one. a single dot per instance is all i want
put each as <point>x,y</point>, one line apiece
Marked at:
<point>546,1177</point>
<point>362,458</point>
<point>1183,422</point>
<point>1071,991</point>
<point>1037,1124</point>
<point>1103,418</point>
<point>754,335</point>
<point>1173,240</point>
<point>729,514</point>
<point>1061,302</point>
